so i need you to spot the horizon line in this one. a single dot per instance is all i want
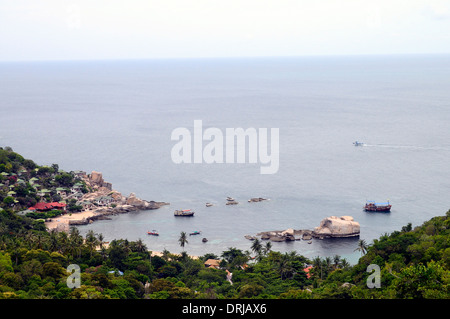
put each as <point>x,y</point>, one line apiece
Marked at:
<point>225,57</point>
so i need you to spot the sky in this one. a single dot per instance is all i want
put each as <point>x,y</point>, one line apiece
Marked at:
<point>146,29</point>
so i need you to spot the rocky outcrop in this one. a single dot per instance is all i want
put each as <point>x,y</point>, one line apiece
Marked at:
<point>337,227</point>
<point>330,227</point>
<point>281,235</point>
<point>256,199</point>
<point>95,180</point>
<point>104,212</point>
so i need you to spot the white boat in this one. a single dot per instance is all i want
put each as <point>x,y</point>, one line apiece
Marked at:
<point>356,143</point>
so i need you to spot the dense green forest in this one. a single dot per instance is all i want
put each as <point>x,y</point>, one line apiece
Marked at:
<point>414,262</point>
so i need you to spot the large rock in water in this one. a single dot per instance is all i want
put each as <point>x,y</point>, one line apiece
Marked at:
<point>138,203</point>
<point>333,226</point>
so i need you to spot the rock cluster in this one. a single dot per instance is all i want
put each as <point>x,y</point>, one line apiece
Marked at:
<point>333,227</point>
<point>330,227</point>
<point>283,235</point>
<point>256,199</point>
<point>95,181</point>
<point>115,202</point>
<point>104,212</point>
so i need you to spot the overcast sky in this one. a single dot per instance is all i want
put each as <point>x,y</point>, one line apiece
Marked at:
<point>111,29</point>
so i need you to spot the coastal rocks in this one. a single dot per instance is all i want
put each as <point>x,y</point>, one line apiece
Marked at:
<point>140,203</point>
<point>256,199</point>
<point>279,235</point>
<point>330,227</point>
<point>95,180</point>
<point>307,236</point>
<point>337,227</point>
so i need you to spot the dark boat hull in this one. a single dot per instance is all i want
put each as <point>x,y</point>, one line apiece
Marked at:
<point>378,208</point>
<point>184,214</point>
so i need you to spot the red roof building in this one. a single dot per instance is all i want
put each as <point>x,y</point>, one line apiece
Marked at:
<point>307,269</point>
<point>47,206</point>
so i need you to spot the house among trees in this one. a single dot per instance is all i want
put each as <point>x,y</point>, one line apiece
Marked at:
<point>103,200</point>
<point>212,263</point>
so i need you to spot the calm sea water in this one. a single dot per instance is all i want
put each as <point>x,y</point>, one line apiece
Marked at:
<point>117,117</point>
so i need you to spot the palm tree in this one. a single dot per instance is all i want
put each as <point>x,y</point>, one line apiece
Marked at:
<point>267,248</point>
<point>344,263</point>
<point>183,240</point>
<point>54,243</point>
<point>63,240</point>
<point>75,242</point>
<point>165,254</point>
<point>100,240</point>
<point>126,246</point>
<point>39,239</point>
<point>140,246</point>
<point>257,248</point>
<point>317,264</point>
<point>284,266</point>
<point>91,241</point>
<point>336,261</point>
<point>327,264</point>
<point>362,247</point>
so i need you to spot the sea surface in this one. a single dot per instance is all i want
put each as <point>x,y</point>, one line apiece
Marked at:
<point>117,117</point>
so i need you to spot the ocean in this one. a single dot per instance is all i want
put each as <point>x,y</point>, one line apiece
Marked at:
<point>117,117</point>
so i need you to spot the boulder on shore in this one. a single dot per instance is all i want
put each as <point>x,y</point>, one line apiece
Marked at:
<point>332,227</point>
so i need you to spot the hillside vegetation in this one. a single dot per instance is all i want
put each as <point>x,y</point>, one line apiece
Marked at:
<point>414,262</point>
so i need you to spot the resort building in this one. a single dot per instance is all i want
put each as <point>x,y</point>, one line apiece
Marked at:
<point>212,263</point>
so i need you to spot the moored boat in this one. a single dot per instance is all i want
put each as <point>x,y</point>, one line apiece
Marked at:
<point>372,206</point>
<point>184,213</point>
<point>195,233</point>
<point>153,233</point>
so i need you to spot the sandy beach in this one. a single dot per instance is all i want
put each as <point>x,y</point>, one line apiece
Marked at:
<point>63,220</point>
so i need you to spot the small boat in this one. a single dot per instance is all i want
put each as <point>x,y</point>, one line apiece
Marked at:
<point>195,233</point>
<point>153,233</point>
<point>208,204</point>
<point>230,199</point>
<point>204,240</point>
<point>184,213</point>
<point>356,143</point>
<point>371,206</point>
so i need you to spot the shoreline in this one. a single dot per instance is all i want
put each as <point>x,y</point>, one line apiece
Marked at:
<point>101,202</point>
<point>62,222</point>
